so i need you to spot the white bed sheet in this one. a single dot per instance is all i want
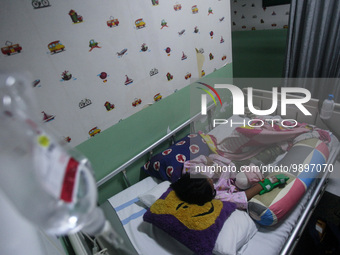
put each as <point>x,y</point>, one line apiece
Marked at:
<point>270,240</point>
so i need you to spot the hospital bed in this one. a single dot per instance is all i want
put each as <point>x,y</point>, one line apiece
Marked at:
<point>125,210</point>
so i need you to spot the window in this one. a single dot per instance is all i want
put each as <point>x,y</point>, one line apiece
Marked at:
<point>267,3</point>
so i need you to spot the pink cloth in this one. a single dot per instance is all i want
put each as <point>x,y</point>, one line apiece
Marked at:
<point>227,191</point>
<point>223,182</point>
<point>246,142</point>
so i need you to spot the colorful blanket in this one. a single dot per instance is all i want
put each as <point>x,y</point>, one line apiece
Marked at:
<point>246,142</point>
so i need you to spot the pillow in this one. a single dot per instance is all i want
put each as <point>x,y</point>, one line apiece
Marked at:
<point>167,165</point>
<point>237,230</point>
<point>149,197</point>
<point>197,227</point>
<point>268,209</point>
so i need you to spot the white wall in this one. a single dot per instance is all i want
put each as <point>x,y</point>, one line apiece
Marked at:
<point>34,28</point>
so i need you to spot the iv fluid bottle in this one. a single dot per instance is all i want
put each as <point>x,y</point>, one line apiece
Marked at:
<point>49,184</point>
<point>327,108</point>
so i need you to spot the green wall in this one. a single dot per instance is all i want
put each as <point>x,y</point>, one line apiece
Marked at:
<point>121,142</point>
<point>259,53</point>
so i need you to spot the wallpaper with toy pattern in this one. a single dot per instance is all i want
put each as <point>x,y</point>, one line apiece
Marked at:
<point>96,62</point>
<point>249,15</point>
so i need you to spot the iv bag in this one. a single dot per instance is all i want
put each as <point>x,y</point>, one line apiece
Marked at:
<point>49,183</point>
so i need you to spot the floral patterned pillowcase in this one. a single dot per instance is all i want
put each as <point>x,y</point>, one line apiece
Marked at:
<point>168,164</point>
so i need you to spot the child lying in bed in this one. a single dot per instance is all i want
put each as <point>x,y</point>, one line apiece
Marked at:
<point>198,188</point>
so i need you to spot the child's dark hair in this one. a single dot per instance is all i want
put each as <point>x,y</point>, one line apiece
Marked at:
<point>193,190</point>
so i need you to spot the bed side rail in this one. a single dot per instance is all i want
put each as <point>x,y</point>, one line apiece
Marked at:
<point>149,149</point>
<point>295,235</point>
<point>263,100</point>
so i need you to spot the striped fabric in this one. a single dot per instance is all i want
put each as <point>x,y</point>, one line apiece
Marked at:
<point>303,163</point>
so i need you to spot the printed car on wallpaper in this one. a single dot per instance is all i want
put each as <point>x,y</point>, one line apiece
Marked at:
<point>55,47</point>
<point>75,17</point>
<point>94,131</point>
<point>194,9</point>
<point>169,76</point>
<point>112,22</point>
<point>109,106</point>
<point>187,76</point>
<point>155,2</point>
<point>10,48</point>
<point>139,23</point>
<point>157,97</point>
<point>177,7</point>
<point>136,101</point>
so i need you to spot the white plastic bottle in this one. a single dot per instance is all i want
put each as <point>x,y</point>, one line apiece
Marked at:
<point>327,108</point>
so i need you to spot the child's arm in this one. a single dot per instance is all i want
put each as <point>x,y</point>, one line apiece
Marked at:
<point>266,185</point>
<point>253,191</point>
